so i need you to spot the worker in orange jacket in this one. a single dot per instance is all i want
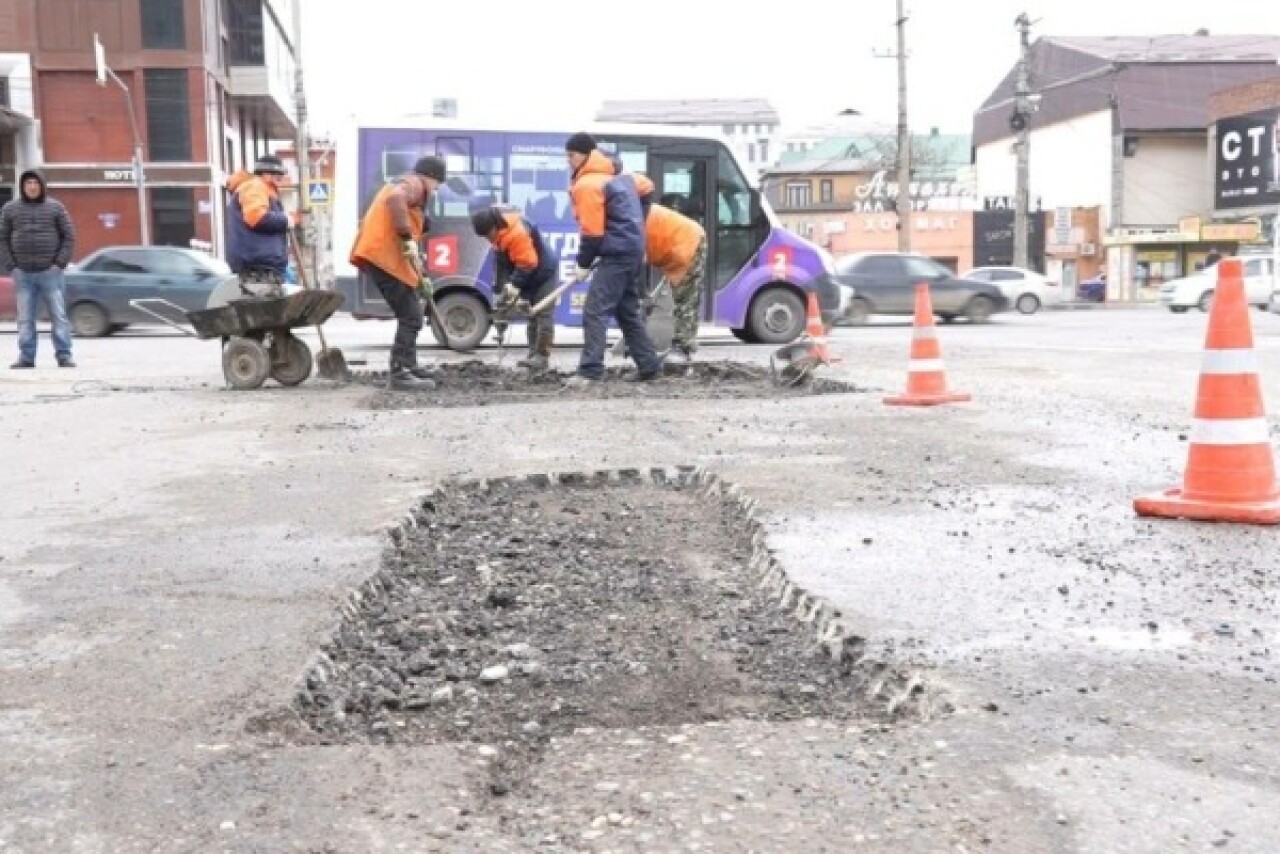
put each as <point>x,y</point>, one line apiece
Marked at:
<point>677,246</point>
<point>526,271</point>
<point>258,229</point>
<point>611,251</point>
<point>388,250</point>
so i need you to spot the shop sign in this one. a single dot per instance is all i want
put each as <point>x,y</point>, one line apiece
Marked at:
<point>1248,161</point>
<point>1240,232</point>
<point>1189,228</point>
<point>880,194</point>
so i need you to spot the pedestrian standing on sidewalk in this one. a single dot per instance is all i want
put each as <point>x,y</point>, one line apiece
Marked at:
<point>37,241</point>
<point>526,269</point>
<point>611,222</point>
<point>388,250</point>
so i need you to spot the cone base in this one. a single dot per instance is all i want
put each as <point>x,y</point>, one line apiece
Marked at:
<point>1172,504</point>
<point>910,399</point>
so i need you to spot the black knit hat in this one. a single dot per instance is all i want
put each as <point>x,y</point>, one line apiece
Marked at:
<point>268,164</point>
<point>487,219</point>
<point>580,142</point>
<point>430,167</point>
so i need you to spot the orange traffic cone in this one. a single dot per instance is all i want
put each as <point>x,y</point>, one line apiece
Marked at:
<point>1231,473</point>
<point>816,332</point>
<point>926,374</point>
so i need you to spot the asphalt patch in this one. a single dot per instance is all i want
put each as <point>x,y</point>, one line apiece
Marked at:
<point>479,383</point>
<point>514,612</point>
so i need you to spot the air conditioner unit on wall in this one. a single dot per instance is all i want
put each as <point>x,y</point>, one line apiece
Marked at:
<point>1088,249</point>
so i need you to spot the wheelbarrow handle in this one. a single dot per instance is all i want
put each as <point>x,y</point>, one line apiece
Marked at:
<point>140,305</point>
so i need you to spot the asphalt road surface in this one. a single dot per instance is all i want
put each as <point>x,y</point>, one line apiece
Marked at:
<point>172,554</point>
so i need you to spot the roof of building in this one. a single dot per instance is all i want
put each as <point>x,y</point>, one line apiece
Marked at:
<point>701,111</point>
<point>1176,48</point>
<point>946,153</point>
<point>1159,83</point>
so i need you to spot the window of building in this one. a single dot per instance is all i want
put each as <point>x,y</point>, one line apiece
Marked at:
<point>173,216</point>
<point>751,152</point>
<point>728,130</point>
<point>163,24</point>
<point>168,114</point>
<point>799,194</point>
<point>4,93</point>
<point>245,26</point>
<point>764,150</point>
<point>826,190</point>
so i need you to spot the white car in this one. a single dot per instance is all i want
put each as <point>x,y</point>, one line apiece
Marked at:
<point>1196,290</point>
<point>1027,290</point>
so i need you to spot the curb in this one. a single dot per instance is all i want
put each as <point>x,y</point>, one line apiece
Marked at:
<point>893,691</point>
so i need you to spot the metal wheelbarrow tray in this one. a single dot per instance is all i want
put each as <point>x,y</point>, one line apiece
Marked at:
<point>242,317</point>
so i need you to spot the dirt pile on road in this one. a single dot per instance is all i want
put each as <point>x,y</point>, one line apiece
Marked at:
<point>477,383</point>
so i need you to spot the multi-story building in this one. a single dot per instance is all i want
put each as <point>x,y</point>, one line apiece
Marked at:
<point>842,192</point>
<point>749,125</point>
<point>211,84</point>
<point>1120,125</point>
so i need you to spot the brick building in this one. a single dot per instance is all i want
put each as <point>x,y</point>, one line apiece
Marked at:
<point>212,86</point>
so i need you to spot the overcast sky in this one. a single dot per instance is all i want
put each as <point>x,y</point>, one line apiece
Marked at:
<point>558,59</point>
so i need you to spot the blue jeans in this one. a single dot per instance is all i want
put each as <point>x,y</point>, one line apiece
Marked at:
<point>50,286</point>
<point>617,286</point>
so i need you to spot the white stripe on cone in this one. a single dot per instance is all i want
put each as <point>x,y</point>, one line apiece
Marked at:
<point>924,333</point>
<point>1230,431</point>
<point>1229,362</point>
<point>925,366</point>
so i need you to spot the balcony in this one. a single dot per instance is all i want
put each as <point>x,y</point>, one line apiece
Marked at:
<point>260,73</point>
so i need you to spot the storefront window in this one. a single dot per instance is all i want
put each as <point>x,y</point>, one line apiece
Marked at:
<point>1156,266</point>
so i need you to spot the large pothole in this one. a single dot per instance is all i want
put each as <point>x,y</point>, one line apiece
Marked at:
<point>478,383</point>
<point>513,611</point>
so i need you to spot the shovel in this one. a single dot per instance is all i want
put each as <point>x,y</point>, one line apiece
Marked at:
<point>331,364</point>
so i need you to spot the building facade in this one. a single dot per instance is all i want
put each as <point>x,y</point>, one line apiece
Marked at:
<point>750,125</point>
<point>1120,127</point>
<point>211,84</point>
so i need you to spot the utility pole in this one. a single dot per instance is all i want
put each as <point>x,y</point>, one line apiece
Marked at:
<point>303,146</point>
<point>139,178</point>
<point>1020,122</point>
<point>904,200</point>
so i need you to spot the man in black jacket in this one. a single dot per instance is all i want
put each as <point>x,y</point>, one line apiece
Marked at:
<point>36,243</point>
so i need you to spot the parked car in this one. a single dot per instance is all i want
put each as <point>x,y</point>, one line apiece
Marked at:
<point>1093,290</point>
<point>1196,290</point>
<point>1027,290</point>
<point>8,300</point>
<point>100,287</point>
<point>885,283</point>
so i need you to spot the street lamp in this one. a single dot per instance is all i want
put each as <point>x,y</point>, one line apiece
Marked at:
<point>104,72</point>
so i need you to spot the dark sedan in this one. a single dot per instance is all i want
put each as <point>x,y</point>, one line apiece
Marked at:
<point>885,283</point>
<point>100,287</point>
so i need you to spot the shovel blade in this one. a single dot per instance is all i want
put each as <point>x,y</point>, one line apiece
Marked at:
<point>332,365</point>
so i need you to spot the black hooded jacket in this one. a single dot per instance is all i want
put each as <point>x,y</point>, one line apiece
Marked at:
<point>35,234</point>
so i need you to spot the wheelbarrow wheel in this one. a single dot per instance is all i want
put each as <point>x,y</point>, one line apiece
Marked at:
<point>297,365</point>
<point>245,363</point>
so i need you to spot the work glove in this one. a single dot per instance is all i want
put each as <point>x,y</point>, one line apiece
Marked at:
<point>508,295</point>
<point>409,249</point>
<point>524,307</point>
<point>580,274</point>
<point>427,287</point>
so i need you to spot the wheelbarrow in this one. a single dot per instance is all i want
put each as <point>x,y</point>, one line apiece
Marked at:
<point>257,341</point>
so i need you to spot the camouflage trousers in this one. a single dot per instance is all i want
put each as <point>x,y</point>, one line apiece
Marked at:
<point>688,297</point>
